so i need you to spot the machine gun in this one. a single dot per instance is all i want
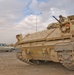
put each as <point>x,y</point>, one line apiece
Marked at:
<point>57,20</point>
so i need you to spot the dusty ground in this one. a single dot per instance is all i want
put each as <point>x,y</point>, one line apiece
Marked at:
<point>10,65</point>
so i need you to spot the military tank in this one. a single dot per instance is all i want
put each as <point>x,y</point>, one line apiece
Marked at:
<point>56,44</point>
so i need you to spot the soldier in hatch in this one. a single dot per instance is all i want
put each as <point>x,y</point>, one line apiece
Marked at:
<point>61,18</point>
<point>65,26</point>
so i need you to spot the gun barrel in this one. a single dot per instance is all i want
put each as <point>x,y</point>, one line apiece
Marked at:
<point>58,21</point>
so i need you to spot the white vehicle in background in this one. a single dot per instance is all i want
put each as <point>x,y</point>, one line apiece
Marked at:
<point>5,48</point>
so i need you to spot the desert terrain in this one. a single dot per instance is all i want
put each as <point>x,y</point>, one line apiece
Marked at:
<point>10,65</point>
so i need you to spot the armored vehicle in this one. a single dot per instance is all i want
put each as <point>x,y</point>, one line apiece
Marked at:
<point>56,44</point>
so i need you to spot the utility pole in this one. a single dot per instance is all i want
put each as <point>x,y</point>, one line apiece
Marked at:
<point>36,21</point>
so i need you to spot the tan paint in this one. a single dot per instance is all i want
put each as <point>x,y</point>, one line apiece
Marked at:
<point>40,45</point>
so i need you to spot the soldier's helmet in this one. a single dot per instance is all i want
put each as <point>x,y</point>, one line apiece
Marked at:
<point>60,16</point>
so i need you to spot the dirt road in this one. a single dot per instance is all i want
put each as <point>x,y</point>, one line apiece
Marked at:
<point>10,65</point>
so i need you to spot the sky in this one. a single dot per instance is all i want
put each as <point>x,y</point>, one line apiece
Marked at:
<point>23,16</point>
